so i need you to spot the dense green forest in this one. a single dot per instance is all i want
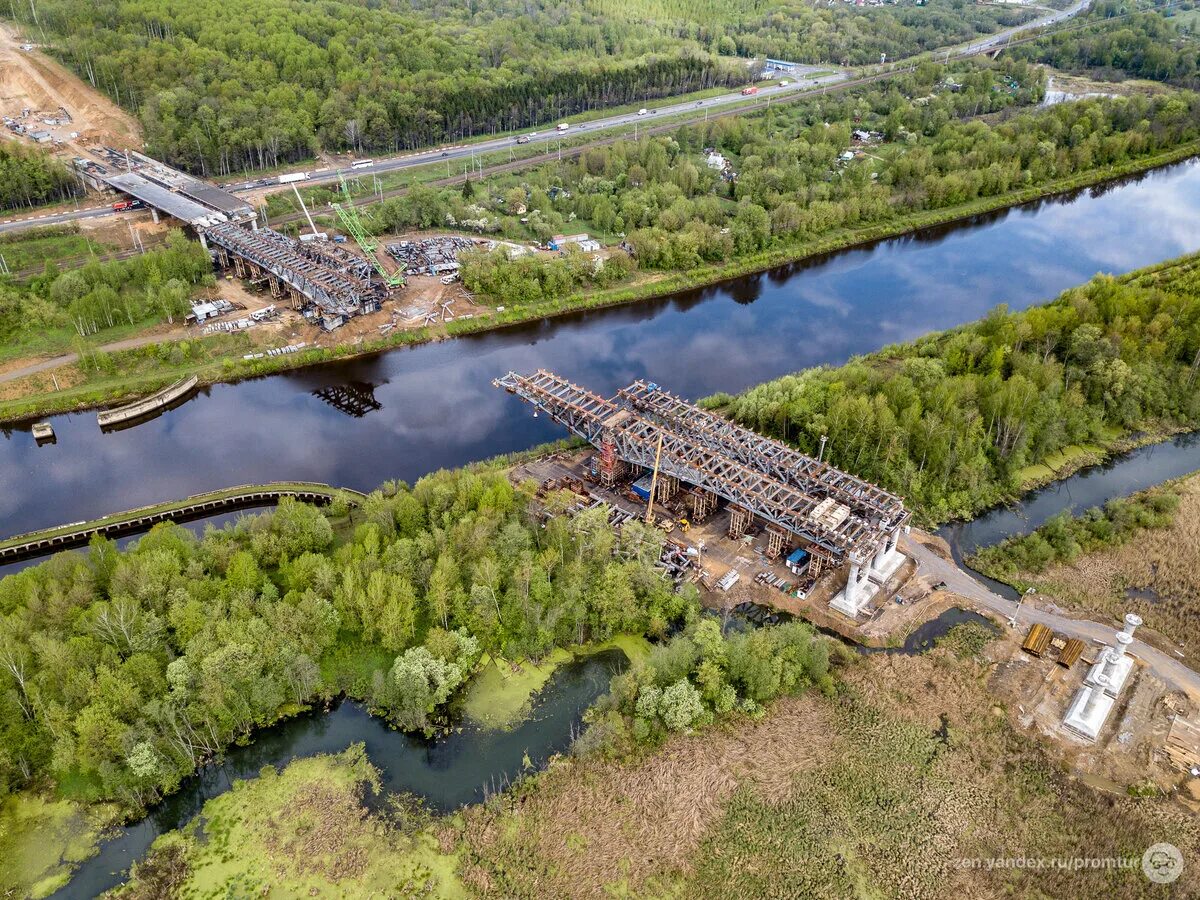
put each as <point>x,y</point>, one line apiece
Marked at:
<point>950,420</point>
<point>30,178</point>
<point>155,285</point>
<point>1142,45</point>
<point>224,85</point>
<point>703,675</point>
<point>940,139</point>
<point>121,671</point>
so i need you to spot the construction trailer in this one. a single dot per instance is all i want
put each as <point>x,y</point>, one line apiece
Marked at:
<point>839,518</point>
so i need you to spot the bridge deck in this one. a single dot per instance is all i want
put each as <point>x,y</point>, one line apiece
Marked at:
<point>744,468</point>
<point>173,204</point>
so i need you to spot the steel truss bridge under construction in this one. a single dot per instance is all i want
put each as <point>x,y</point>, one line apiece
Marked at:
<point>851,519</point>
<point>299,269</point>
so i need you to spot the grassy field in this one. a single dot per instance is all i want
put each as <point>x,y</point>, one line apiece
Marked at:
<point>891,790</point>
<point>302,832</point>
<point>30,249</point>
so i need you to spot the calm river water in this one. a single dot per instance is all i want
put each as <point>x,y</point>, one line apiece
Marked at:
<point>436,406</point>
<point>446,773</point>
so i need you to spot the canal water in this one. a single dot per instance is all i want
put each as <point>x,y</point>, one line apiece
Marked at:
<point>446,773</point>
<point>1119,476</point>
<point>433,406</point>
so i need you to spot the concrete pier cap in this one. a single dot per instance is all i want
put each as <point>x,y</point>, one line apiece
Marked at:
<point>1132,622</point>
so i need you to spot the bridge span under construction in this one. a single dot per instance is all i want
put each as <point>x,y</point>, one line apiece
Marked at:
<point>805,502</point>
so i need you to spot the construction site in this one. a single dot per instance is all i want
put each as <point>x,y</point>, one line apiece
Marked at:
<point>1115,721</point>
<point>738,507</point>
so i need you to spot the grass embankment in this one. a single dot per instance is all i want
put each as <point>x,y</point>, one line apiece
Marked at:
<point>29,249</point>
<point>501,693</point>
<point>1137,554</point>
<point>886,802</point>
<point>302,832</point>
<point>219,359</point>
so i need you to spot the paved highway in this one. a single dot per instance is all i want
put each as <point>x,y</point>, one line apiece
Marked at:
<point>73,215</point>
<point>805,80</point>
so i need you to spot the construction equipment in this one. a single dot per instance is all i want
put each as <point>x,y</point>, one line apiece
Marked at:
<point>304,208</point>
<point>348,216</point>
<point>653,483</point>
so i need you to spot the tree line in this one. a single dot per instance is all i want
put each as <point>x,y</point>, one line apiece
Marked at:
<point>704,675</point>
<point>950,420</point>
<point>122,671</point>
<point>1147,45</point>
<point>225,86</point>
<point>100,295</point>
<point>29,177</point>
<point>733,188</point>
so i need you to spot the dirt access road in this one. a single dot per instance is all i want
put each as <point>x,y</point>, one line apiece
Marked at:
<point>936,568</point>
<point>32,80</point>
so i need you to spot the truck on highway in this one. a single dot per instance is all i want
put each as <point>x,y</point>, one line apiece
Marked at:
<point>122,205</point>
<point>293,177</point>
<point>749,91</point>
<point>523,139</point>
<point>643,111</point>
<point>563,126</point>
<point>362,164</point>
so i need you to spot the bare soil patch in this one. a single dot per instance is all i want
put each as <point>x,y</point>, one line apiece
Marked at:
<point>31,80</point>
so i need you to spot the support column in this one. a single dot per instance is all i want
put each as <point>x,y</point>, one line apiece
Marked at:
<point>204,242</point>
<point>154,215</point>
<point>1132,622</point>
<point>739,521</point>
<point>668,487</point>
<point>1113,656</point>
<point>1093,701</point>
<point>851,593</point>
<point>775,542</point>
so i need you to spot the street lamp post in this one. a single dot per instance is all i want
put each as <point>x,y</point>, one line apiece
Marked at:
<point>1012,621</point>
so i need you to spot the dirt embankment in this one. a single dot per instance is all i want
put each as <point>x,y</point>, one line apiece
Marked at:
<point>29,79</point>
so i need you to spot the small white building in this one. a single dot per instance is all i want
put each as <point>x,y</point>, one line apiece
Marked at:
<point>716,161</point>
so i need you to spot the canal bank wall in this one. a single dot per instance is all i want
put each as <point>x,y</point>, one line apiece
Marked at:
<point>51,540</point>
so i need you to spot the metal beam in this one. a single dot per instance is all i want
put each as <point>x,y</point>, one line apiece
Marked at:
<point>697,456</point>
<point>769,456</point>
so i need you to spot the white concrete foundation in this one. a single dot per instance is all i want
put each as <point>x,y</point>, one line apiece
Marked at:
<point>1116,673</point>
<point>891,562</point>
<point>851,601</point>
<point>1088,711</point>
<point>853,606</point>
